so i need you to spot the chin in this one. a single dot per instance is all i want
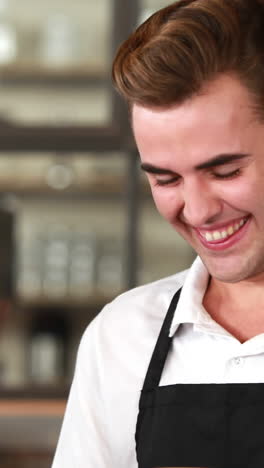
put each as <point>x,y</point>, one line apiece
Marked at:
<point>227,274</point>
<point>233,274</point>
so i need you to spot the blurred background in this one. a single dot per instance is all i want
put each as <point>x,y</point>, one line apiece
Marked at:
<point>77,223</point>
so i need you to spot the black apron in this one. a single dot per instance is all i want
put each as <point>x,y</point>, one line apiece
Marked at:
<point>197,425</point>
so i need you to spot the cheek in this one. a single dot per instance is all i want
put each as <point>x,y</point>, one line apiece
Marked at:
<point>243,196</point>
<point>166,204</point>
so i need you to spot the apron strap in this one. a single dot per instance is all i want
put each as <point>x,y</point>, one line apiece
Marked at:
<point>161,349</point>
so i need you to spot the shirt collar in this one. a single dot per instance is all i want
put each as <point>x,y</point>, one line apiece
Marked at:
<point>190,306</point>
<point>190,310</point>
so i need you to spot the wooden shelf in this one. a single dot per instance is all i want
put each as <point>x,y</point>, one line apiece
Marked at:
<point>34,73</point>
<point>41,407</point>
<point>95,187</point>
<point>64,138</point>
<point>37,394</point>
<point>99,187</point>
<point>30,427</point>
<point>94,301</point>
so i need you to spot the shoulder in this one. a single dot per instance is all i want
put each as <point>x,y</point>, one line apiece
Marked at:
<point>149,297</point>
<point>133,319</point>
<point>152,299</point>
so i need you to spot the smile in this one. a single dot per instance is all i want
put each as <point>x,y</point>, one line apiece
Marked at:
<point>223,234</point>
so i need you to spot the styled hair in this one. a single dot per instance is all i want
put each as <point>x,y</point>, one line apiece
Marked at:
<point>182,47</point>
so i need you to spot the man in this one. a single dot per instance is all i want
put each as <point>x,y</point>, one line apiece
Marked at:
<point>192,394</point>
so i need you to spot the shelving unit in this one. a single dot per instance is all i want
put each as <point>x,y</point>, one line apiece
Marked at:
<point>65,139</point>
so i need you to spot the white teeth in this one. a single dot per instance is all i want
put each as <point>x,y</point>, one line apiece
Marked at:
<point>208,236</point>
<point>217,235</point>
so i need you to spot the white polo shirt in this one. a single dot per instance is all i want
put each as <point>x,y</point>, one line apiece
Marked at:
<point>99,425</point>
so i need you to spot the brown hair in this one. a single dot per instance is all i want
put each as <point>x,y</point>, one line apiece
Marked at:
<point>173,54</point>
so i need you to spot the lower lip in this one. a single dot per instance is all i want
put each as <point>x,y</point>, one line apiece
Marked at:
<point>226,243</point>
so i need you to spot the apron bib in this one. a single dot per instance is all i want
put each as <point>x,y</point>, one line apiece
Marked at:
<point>197,425</point>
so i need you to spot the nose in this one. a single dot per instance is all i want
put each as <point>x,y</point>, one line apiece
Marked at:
<point>200,205</point>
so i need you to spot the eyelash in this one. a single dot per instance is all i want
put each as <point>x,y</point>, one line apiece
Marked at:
<point>161,182</point>
<point>229,175</point>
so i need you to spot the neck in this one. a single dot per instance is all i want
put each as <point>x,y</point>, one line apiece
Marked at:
<point>238,307</point>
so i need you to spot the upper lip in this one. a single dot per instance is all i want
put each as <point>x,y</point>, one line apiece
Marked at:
<point>222,226</point>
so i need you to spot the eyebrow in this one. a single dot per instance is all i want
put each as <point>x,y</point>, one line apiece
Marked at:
<point>218,160</point>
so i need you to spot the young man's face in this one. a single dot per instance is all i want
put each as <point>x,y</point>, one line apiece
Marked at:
<point>205,164</point>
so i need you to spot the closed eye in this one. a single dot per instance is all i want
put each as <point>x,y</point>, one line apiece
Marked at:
<point>166,181</point>
<point>163,181</point>
<point>227,175</point>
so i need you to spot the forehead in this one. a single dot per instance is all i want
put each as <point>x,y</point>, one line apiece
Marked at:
<point>221,115</point>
